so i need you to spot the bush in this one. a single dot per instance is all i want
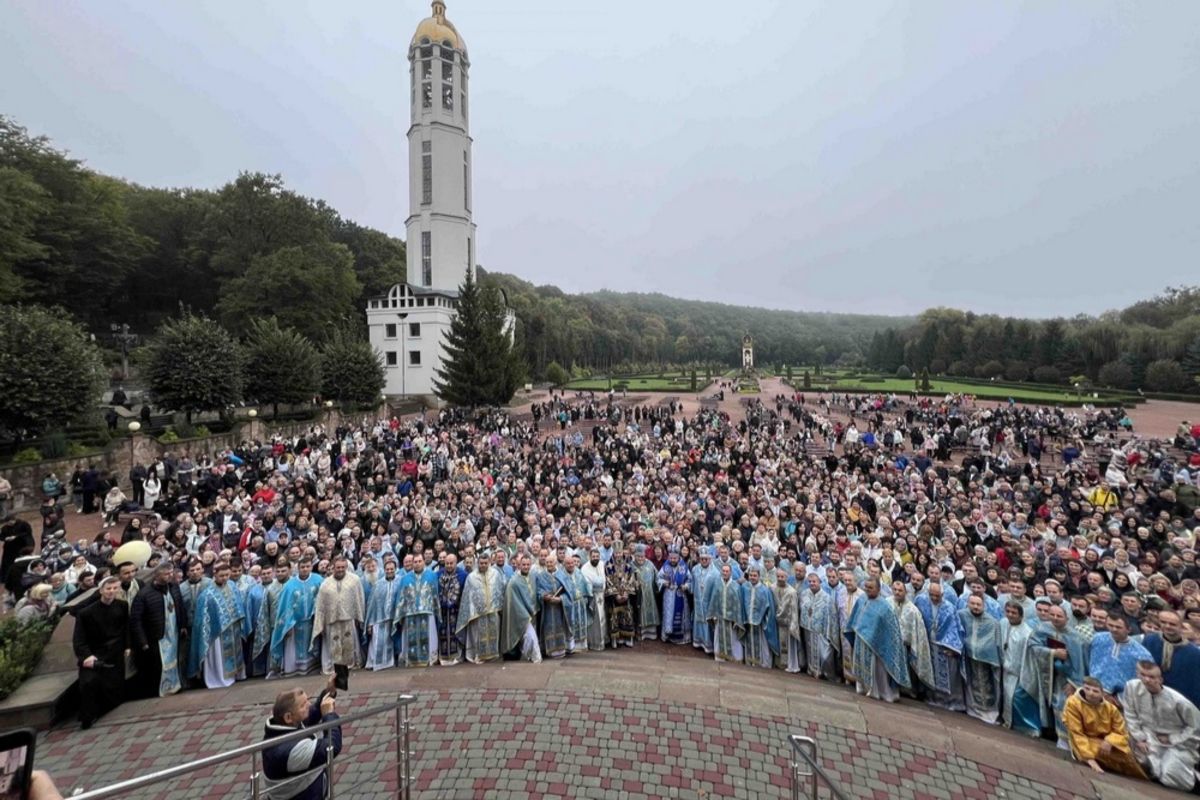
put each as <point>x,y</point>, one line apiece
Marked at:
<point>990,369</point>
<point>201,432</point>
<point>75,450</point>
<point>54,445</point>
<point>1047,374</point>
<point>556,375</point>
<point>21,648</point>
<point>1016,371</point>
<point>169,436</point>
<point>1165,375</point>
<point>960,368</point>
<point>30,455</point>
<point>903,373</point>
<point>1117,374</point>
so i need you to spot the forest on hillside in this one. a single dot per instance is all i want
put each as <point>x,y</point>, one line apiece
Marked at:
<point>113,253</point>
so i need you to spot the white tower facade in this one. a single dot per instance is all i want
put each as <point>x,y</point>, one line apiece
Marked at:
<point>407,325</point>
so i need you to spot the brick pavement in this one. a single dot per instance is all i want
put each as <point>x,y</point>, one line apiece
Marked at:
<point>658,721</point>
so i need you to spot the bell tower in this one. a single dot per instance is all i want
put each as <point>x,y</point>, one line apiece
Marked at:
<point>441,234</point>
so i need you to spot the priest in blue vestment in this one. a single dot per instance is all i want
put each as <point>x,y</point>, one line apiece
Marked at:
<point>1055,666</point>
<point>292,637</point>
<point>675,579</point>
<point>264,623</point>
<point>1019,710</point>
<point>982,659</point>
<point>256,596</point>
<point>415,616</point>
<point>879,658</point>
<point>760,639</point>
<point>702,574</point>
<point>945,647</point>
<point>518,631</point>
<point>479,612</point>
<point>579,594</point>
<point>553,589</point>
<point>819,627</point>
<point>220,626</point>
<point>727,615</point>
<point>381,619</point>
<point>647,597</point>
<point>1179,659</point>
<point>1113,656</point>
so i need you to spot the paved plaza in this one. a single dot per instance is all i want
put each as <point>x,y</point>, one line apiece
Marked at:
<point>657,721</point>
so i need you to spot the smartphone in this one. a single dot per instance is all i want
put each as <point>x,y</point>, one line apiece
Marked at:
<point>16,763</point>
<point>341,679</point>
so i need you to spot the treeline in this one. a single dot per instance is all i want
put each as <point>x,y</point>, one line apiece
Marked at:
<point>1153,344</point>
<point>112,252</point>
<point>625,332</point>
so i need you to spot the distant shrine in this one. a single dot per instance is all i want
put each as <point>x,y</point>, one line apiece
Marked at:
<point>747,352</point>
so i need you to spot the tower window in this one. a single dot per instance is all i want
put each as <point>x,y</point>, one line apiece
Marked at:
<point>447,70</point>
<point>414,358</point>
<point>447,50</point>
<point>463,102</point>
<point>426,173</point>
<point>390,355</point>
<point>470,259</point>
<point>426,95</point>
<point>448,96</point>
<point>466,183</point>
<point>426,69</point>
<point>414,329</point>
<point>426,258</point>
<point>389,330</point>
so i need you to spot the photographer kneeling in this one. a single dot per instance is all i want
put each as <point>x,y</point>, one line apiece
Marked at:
<point>295,770</point>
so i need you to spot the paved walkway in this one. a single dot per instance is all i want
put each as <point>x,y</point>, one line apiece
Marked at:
<point>656,721</point>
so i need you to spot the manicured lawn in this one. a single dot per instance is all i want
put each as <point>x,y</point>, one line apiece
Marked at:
<point>671,382</point>
<point>940,386</point>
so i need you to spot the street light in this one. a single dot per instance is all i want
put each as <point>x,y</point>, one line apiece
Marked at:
<point>134,427</point>
<point>252,413</point>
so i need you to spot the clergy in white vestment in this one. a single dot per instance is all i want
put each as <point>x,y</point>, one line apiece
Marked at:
<point>1164,728</point>
<point>594,572</point>
<point>341,612</point>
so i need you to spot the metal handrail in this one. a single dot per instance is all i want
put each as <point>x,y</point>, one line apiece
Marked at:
<point>254,751</point>
<point>806,748</point>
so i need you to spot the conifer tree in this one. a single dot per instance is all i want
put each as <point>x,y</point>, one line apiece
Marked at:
<point>481,367</point>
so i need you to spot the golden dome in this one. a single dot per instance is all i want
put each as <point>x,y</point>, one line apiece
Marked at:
<point>438,29</point>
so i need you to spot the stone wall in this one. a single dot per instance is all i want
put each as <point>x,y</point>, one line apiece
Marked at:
<point>122,453</point>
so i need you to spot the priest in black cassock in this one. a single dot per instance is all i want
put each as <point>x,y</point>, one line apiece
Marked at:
<point>100,642</point>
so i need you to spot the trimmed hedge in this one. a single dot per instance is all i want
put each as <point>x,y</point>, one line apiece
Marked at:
<point>21,647</point>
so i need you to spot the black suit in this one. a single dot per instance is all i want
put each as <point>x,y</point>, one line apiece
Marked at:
<point>147,624</point>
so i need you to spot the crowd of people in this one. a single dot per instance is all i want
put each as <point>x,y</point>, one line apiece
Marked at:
<point>1031,567</point>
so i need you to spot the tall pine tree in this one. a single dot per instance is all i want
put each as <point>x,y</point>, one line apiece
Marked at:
<point>481,367</point>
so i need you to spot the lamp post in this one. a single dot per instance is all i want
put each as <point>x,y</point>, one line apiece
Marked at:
<point>134,427</point>
<point>252,413</point>
<point>403,354</point>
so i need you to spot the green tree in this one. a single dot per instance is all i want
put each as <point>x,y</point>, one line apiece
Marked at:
<point>1165,375</point>
<point>807,380</point>
<point>925,379</point>
<point>22,203</point>
<point>556,375</point>
<point>351,370</point>
<point>281,365</point>
<point>481,367</point>
<point>51,373</point>
<point>193,365</point>
<point>1116,374</point>
<point>695,380</point>
<point>789,373</point>
<point>903,372</point>
<point>311,288</point>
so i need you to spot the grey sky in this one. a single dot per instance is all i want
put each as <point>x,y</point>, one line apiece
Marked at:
<point>1028,158</point>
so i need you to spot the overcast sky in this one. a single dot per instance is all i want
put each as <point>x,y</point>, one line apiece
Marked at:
<point>1030,158</point>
